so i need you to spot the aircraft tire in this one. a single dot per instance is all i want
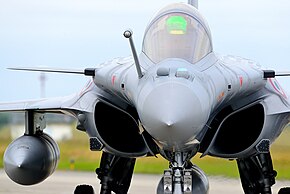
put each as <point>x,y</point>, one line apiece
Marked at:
<point>84,189</point>
<point>285,190</point>
<point>160,189</point>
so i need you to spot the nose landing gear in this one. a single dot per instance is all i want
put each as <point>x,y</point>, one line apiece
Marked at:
<point>183,178</point>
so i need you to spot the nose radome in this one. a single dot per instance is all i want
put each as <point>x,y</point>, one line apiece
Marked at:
<point>173,113</point>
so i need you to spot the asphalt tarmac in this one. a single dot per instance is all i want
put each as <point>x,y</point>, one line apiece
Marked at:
<point>64,182</point>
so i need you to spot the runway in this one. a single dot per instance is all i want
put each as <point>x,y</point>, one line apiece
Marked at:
<point>64,182</point>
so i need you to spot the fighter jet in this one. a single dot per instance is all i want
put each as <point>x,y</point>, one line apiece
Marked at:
<point>176,98</point>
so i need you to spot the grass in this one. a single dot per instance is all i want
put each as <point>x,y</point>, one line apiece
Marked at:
<point>75,154</point>
<point>4,142</point>
<point>281,155</point>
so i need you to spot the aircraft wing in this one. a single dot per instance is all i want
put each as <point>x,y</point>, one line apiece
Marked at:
<point>41,104</point>
<point>82,101</point>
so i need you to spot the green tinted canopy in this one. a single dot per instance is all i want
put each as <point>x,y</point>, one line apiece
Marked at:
<point>176,25</point>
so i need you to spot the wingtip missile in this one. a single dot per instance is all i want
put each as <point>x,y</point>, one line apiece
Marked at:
<point>272,73</point>
<point>87,71</point>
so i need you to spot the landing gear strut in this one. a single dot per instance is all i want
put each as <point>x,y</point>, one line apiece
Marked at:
<point>183,177</point>
<point>257,174</point>
<point>115,173</point>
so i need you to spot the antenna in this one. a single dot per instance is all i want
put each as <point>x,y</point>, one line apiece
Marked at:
<point>128,34</point>
<point>193,3</point>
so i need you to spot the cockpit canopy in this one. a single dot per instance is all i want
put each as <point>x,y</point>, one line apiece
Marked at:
<point>178,31</point>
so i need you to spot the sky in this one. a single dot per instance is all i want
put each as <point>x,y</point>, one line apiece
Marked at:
<point>82,33</point>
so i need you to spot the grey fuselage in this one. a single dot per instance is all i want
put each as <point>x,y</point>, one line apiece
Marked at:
<point>177,107</point>
<point>189,96</point>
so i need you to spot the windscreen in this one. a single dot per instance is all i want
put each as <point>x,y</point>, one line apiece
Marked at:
<point>176,35</point>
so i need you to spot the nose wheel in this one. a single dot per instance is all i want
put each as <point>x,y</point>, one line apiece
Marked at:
<point>183,178</point>
<point>285,190</point>
<point>84,189</point>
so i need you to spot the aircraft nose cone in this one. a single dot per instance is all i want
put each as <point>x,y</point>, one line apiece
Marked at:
<point>173,113</point>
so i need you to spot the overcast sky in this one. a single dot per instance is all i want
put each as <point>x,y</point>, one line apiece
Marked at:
<point>81,33</point>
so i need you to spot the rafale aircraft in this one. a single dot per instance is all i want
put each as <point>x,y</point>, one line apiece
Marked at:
<point>176,98</point>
